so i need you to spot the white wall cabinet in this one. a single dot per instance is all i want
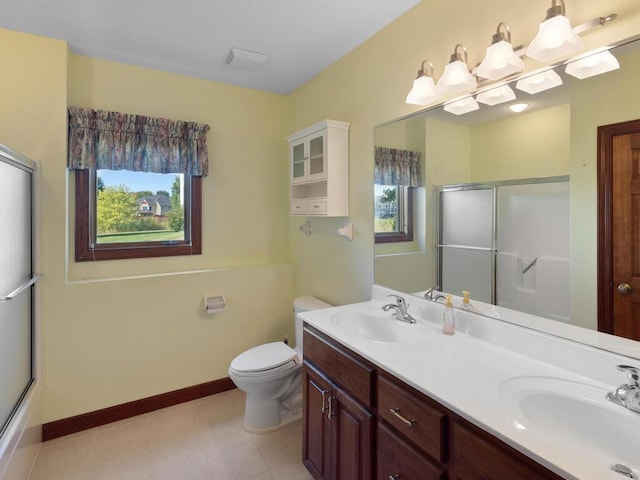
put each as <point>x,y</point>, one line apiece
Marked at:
<point>319,170</point>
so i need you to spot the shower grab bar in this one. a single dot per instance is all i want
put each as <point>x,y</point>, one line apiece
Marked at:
<point>20,289</point>
<point>528,267</point>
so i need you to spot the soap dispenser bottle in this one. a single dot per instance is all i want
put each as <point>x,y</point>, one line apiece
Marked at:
<point>448,322</point>
<point>466,304</point>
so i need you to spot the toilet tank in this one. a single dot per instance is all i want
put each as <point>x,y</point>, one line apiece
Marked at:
<point>305,304</point>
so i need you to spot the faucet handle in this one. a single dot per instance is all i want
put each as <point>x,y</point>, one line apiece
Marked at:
<point>632,372</point>
<point>401,302</point>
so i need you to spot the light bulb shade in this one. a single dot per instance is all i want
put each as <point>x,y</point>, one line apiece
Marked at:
<point>555,39</point>
<point>423,92</point>
<point>500,61</point>
<point>496,95</point>
<point>539,82</point>
<point>456,78</point>
<point>463,106</point>
<point>593,65</point>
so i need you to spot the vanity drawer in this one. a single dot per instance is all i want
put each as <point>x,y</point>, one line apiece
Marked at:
<point>345,370</point>
<point>397,459</point>
<point>418,420</point>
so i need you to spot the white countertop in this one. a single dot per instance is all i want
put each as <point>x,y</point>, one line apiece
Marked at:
<point>470,373</point>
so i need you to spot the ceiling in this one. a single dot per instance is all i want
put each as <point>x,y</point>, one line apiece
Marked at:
<point>194,37</point>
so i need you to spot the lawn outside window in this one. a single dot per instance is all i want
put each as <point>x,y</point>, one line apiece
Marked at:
<point>393,213</point>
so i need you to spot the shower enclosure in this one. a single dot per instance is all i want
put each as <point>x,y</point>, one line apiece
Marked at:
<point>507,243</point>
<point>17,282</point>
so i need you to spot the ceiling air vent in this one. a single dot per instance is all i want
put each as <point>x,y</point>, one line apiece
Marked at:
<point>245,59</point>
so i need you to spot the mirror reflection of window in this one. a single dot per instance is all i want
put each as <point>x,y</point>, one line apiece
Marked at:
<point>393,213</point>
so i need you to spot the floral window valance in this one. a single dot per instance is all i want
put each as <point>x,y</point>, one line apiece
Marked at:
<point>397,167</point>
<point>118,141</point>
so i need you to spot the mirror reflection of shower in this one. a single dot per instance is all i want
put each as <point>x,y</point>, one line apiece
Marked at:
<point>508,244</point>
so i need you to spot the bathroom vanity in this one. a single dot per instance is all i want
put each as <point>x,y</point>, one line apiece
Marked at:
<point>389,400</point>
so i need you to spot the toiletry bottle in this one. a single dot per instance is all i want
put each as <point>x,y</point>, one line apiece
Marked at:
<point>448,322</point>
<point>466,304</point>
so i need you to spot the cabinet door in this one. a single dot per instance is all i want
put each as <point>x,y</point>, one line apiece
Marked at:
<point>298,161</point>
<point>351,438</point>
<point>315,445</point>
<point>317,157</point>
<point>478,456</point>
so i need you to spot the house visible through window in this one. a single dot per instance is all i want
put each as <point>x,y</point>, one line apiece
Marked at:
<point>393,213</point>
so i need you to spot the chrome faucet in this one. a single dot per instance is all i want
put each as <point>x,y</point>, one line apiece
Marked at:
<point>400,309</point>
<point>628,394</point>
<point>429,294</point>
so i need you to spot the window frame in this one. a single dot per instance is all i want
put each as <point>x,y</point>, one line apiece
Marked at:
<point>85,213</point>
<point>405,212</point>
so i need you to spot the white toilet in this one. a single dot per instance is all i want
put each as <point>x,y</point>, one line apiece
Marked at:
<point>271,377</point>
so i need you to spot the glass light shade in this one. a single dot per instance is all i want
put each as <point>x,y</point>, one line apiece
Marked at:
<point>593,65</point>
<point>539,82</point>
<point>555,39</point>
<point>500,61</point>
<point>518,107</point>
<point>496,95</point>
<point>423,91</point>
<point>463,106</point>
<point>456,78</point>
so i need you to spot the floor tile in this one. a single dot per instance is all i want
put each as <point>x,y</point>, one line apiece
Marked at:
<point>199,440</point>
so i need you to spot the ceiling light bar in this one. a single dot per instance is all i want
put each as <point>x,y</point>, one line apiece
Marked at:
<point>555,37</point>
<point>457,77</point>
<point>460,107</point>
<point>500,60</point>
<point>592,65</point>
<point>539,82</point>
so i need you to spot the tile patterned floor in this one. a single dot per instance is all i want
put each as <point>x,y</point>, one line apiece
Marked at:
<point>199,440</point>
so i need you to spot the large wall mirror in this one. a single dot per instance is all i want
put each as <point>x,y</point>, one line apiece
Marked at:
<point>546,154</point>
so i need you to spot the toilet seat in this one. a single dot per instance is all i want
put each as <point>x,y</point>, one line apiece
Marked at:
<point>267,359</point>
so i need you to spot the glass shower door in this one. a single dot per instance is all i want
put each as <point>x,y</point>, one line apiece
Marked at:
<point>16,281</point>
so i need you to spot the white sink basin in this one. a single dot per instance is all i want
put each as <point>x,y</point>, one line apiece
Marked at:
<point>575,415</point>
<point>381,327</point>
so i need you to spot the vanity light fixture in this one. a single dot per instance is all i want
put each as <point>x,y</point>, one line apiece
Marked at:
<point>460,107</point>
<point>457,77</point>
<point>539,82</point>
<point>593,65</point>
<point>555,36</point>
<point>500,60</point>
<point>496,96</point>
<point>424,91</point>
<point>518,107</point>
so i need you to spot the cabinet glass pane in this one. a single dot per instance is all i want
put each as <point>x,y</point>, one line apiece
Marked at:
<point>316,161</point>
<point>298,152</point>
<point>298,169</point>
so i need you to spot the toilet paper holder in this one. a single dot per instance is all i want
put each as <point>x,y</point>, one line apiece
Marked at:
<point>214,304</point>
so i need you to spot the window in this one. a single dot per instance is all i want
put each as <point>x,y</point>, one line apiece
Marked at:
<point>393,215</point>
<point>138,184</point>
<point>121,214</point>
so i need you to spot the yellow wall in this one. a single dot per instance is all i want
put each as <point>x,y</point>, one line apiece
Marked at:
<point>118,331</point>
<point>368,88</point>
<point>104,341</point>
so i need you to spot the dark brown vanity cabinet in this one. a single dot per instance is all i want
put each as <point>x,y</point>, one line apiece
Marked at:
<point>338,426</point>
<point>361,423</point>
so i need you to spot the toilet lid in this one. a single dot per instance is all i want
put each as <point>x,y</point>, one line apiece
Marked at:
<point>270,356</point>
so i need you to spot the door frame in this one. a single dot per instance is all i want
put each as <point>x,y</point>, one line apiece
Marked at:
<point>605,292</point>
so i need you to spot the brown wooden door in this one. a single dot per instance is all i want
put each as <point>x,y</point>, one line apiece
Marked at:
<point>619,229</point>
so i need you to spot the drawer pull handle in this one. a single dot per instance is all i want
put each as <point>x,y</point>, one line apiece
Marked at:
<point>396,413</point>
<point>330,412</point>
<point>394,477</point>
